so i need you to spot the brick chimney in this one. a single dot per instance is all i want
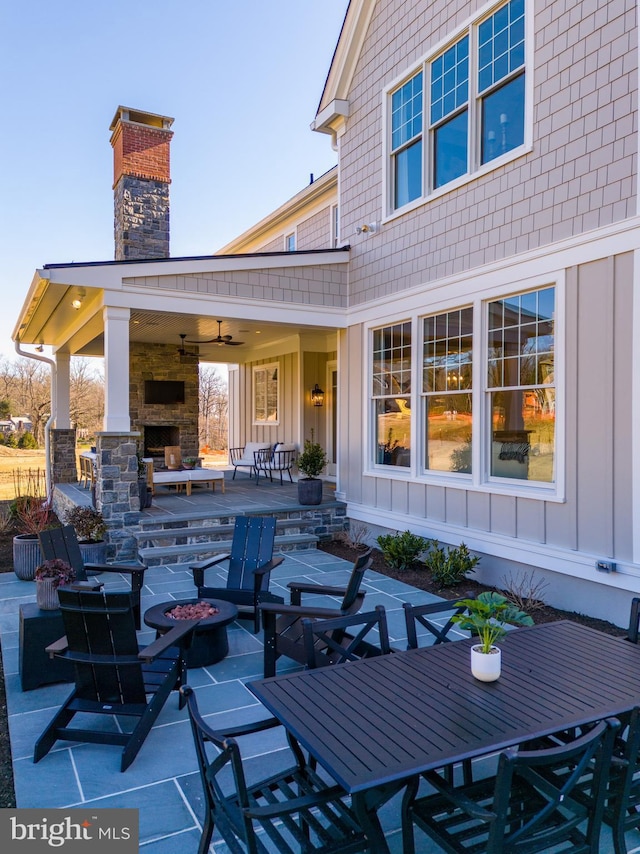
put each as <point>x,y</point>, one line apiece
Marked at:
<point>141,178</point>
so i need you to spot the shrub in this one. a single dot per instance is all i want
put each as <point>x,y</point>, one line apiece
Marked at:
<point>88,523</point>
<point>28,441</point>
<point>32,514</point>
<point>449,567</point>
<point>525,590</point>
<point>312,460</point>
<point>401,550</point>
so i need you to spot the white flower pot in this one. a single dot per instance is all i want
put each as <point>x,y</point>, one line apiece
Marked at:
<point>485,666</point>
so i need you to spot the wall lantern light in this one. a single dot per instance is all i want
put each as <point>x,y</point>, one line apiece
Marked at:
<point>317,395</point>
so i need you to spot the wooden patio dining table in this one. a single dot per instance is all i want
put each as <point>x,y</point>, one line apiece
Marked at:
<point>378,722</point>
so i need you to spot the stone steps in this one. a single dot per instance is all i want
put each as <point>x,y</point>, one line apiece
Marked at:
<point>190,537</point>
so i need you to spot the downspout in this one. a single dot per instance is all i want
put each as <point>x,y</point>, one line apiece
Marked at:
<point>52,416</point>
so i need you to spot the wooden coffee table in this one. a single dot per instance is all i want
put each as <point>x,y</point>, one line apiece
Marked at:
<point>210,643</point>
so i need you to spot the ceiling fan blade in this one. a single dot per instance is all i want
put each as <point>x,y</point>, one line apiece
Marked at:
<point>234,343</point>
<point>208,341</point>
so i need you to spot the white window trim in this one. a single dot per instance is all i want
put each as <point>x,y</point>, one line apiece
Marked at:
<point>478,480</point>
<point>271,366</point>
<point>287,236</point>
<point>470,26</point>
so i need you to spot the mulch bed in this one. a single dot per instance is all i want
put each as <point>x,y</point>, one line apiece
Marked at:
<point>420,577</point>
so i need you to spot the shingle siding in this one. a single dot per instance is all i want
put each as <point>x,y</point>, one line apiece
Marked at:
<point>580,175</point>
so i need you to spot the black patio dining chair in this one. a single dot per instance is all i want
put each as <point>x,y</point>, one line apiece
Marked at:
<point>524,806</point>
<point>62,543</point>
<point>634,620</point>
<point>435,618</point>
<point>249,566</point>
<point>115,679</point>
<point>344,639</point>
<point>296,810</point>
<point>283,632</point>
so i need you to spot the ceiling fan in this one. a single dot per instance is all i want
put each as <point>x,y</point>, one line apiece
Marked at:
<point>221,339</point>
<point>181,349</point>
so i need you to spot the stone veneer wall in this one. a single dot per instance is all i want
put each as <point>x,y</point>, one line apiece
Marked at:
<point>141,216</point>
<point>162,362</point>
<point>117,491</point>
<point>62,454</point>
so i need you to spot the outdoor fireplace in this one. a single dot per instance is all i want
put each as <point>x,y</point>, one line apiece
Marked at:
<point>157,437</point>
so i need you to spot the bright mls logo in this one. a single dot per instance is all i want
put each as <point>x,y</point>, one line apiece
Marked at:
<point>29,831</point>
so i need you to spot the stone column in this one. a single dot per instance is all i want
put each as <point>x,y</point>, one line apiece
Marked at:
<point>117,490</point>
<point>62,451</point>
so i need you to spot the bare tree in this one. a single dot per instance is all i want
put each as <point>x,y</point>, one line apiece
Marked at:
<point>214,408</point>
<point>86,393</point>
<point>27,386</point>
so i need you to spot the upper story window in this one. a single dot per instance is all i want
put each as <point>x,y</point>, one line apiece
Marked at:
<point>474,99</point>
<point>290,243</point>
<point>335,226</point>
<point>265,394</point>
<point>406,141</point>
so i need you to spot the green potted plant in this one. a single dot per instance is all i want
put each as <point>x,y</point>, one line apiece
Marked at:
<point>486,617</point>
<point>49,576</point>
<point>90,528</point>
<point>311,462</point>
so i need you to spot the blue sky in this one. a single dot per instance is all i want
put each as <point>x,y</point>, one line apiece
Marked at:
<point>242,79</point>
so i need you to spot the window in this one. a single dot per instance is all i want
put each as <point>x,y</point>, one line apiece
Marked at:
<point>474,100</point>
<point>290,243</point>
<point>447,390</point>
<point>335,226</point>
<point>485,413</point>
<point>265,394</point>
<point>406,141</point>
<point>391,394</point>
<point>521,386</point>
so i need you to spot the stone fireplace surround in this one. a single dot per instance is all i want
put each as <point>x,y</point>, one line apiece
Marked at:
<point>164,424</point>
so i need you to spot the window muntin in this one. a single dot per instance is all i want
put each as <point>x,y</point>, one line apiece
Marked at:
<point>266,392</point>
<point>391,393</point>
<point>473,116</point>
<point>521,386</point>
<point>447,390</point>
<point>406,141</point>
<point>449,113</point>
<point>501,56</point>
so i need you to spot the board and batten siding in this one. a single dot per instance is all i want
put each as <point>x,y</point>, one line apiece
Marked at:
<point>596,516</point>
<point>287,427</point>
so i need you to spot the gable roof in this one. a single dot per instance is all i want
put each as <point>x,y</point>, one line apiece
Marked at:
<point>334,104</point>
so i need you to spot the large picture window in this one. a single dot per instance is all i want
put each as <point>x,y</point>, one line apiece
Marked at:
<point>447,390</point>
<point>521,386</point>
<point>391,395</point>
<point>485,406</point>
<point>265,394</point>
<point>474,98</point>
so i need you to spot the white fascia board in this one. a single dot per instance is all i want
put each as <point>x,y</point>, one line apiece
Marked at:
<point>336,111</point>
<point>212,305</point>
<point>545,261</point>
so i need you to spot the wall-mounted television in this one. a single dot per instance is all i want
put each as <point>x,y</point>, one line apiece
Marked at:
<point>163,391</point>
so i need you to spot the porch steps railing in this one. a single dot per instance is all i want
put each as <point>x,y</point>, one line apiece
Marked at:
<point>195,536</point>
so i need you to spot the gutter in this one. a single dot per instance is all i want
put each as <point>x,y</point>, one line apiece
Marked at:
<point>52,416</point>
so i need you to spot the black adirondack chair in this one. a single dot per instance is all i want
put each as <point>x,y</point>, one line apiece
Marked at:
<point>114,677</point>
<point>525,806</point>
<point>283,631</point>
<point>250,563</point>
<point>62,543</point>
<point>435,617</point>
<point>344,638</point>
<point>295,809</point>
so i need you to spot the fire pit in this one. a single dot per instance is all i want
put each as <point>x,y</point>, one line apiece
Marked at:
<point>209,643</point>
